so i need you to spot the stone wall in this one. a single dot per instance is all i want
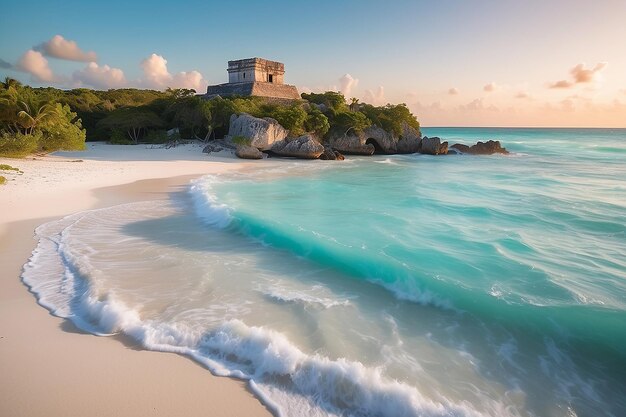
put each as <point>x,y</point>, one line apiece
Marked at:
<point>259,89</point>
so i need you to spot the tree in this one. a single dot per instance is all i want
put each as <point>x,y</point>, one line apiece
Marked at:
<point>354,104</point>
<point>347,121</point>
<point>336,102</point>
<point>191,113</point>
<point>132,120</point>
<point>291,118</point>
<point>390,117</point>
<point>33,114</point>
<point>62,132</point>
<point>316,122</point>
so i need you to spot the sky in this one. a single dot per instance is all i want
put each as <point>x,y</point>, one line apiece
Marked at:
<point>454,63</point>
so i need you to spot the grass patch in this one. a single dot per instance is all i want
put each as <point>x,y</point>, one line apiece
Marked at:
<point>6,167</point>
<point>242,140</point>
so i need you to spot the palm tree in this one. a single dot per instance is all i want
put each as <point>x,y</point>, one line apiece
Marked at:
<point>10,82</point>
<point>33,115</point>
<point>354,103</point>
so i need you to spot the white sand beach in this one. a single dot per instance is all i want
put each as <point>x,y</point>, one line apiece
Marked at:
<point>50,368</point>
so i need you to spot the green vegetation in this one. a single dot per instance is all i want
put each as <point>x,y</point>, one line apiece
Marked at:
<point>6,167</point>
<point>47,119</point>
<point>242,140</point>
<point>3,180</point>
<point>30,122</point>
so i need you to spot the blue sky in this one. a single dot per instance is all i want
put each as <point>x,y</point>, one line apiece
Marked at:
<point>439,57</point>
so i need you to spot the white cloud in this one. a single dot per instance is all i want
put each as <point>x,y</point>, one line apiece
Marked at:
<point>376,98</point>
<point>453,91</point>
<point>158,77</point>
<point>580,74</point>
<point>522,94</point>
<point>346,84</point>
<point>35,64</point>
<point>59,47</point>
<point>103,77</point>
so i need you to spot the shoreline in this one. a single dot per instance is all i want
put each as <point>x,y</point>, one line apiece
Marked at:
<point>100,375</point>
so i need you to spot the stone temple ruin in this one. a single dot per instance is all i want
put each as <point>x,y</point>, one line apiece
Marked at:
<point>255,77</point>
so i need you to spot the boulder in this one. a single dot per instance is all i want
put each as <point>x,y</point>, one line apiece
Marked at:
<point>248,152</point>
<point>460,148</point>
<point>352,145</point>
<point>330,154</point>
<point>304,147</point>
<point>263,133</point>
<point>383,141</point>
<point>433,146</point>
<point>482,148</point>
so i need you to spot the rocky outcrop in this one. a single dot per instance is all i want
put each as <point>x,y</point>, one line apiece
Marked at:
<point>433,146</point>
<point>352,145</point>
<point>376,140</point>
<point>263,133</point>
<point>481,148</point>
<point>330,154</point>
<point>303,147</point>
<point>248,152</point>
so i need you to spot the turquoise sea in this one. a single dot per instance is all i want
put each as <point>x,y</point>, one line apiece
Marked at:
<point>403,285</point>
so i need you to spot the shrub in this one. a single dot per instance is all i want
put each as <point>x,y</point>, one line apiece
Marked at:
<point>119,138</point>
<point>63,132</point>
<point>3,180</point>
<point>157,137</point>
<point>19,145</point>
<point>6,167</point>
<point>241,140</point>
<point>291,118</point>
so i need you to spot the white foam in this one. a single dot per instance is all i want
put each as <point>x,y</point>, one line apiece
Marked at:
<point>290,381</point>
<point>206,205</point>
<point>316,296</point>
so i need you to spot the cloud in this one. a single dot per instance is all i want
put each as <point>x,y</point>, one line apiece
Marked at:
<point>5,65</point>
<point>453,91</point>
<point>103,77</point>
<point>583,75</point>
<point>346,84</point>
<point>477,105</point>
<point>522,94</point>
<point>491,87</point>
<point>562,84</point>
<point>35,64</point>
<point>580,74</point>
<point>376,98</point>
<point>59,47</point>
<point>158,77</point>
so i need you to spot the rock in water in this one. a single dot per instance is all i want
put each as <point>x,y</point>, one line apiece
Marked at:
<point>433,146</point>
<point>330,154</point>
<point>482,148</point>
<point>248,152</point>
<point>263,133</point>
<point>304,147</point>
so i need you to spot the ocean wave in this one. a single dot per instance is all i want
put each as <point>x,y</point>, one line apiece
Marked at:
<point>290,381</point>
<point>206,205</point>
